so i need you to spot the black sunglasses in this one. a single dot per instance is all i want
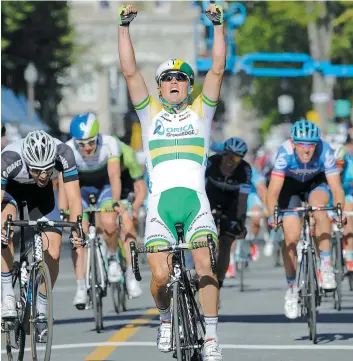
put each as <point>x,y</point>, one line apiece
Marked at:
<point>174,74</point>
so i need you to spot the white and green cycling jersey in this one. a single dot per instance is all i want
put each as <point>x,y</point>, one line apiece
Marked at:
<point>176,148</point>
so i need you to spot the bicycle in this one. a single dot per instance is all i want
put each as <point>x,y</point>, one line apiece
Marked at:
<point>28,317</point>
<point>96,270</point>
<point>188,327</point>
<point>309,291</point>
<point>339,263</point>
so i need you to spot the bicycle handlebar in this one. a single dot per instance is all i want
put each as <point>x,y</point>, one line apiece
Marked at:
<point>171,248</point>
<point>90,210</point>
<point>306,209</point>
<point>41,223</point>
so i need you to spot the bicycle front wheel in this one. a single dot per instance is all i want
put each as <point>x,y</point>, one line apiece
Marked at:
<point>41,325</point>
<point>338,272</point>
<point>311,305</point>
<point>96,296</point>
<point>180,326</point>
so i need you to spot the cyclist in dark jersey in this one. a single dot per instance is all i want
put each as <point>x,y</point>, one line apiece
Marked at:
<point>27,169</point>
<point>228,184</point>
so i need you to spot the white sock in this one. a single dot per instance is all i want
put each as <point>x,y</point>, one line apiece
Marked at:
<point>211,328</point>
<point>6,285</point>
<point>165,314</point>
<point>81,284</point>
<point>42,303</point>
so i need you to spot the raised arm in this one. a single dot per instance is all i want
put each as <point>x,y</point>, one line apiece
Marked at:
<point>213,80</point>
<point>134,80</point>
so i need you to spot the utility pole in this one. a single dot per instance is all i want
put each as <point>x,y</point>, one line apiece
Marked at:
<point>320,32</point>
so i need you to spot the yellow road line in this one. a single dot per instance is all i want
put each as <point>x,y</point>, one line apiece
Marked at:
<point>102,352</point>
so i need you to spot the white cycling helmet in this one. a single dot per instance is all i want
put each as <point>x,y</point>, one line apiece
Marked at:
<point>178,65</point>
<point>39,149</point>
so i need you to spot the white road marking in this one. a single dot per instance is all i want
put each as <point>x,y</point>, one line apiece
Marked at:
<point>225,346</point>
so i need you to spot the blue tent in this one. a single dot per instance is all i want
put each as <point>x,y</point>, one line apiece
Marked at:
<point>14,111</point>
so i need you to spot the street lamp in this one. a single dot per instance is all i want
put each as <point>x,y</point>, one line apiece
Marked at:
<point>31,77</point>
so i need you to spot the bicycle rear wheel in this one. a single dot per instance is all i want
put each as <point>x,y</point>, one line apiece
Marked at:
<point>197,324</point>
<point>338,272</point>
<point>41,325</point>
<point>96,295</point>
<point>311,301</point>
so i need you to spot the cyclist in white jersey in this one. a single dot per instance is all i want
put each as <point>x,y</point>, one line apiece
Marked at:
<point>98,163</point>
<point>176,143</point>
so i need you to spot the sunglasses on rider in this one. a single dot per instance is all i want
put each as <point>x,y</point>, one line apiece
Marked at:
<point>305,145</point>
<point>234,157</point>
<point>83,143</point>
<point>38,171</point>
<point>174,74</point>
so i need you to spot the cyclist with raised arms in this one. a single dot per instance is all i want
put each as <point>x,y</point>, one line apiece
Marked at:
<point>27,167</point>
<point>132,181</point>
<point>98,164</point>
<point>304,164</point>
<point>228,185</point>
<point>176,140</point>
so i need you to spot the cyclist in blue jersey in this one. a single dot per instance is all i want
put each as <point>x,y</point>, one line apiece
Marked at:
<point>344,162</point>
<point>305,164</point>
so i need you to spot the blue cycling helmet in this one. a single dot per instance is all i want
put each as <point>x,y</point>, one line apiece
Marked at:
<point>305,131</point>
<point>236,145</point>
<point>84,126</point>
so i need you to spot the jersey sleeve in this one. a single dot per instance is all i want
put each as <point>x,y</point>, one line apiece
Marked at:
<point>11,165</point>
<point>114,149</point>
<point>130,161</point>
<point>147,109</point>
<point>281,163</point>
<point>329,160</point>
<point>205,108</point>
<point>245,185</point>
<point>257,177</point>
<point>66,163</point>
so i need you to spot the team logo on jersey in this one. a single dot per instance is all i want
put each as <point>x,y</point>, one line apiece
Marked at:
<point>159,128</point>
<point>187,129</point>
<point>281,161</point>
<point>329,160</point>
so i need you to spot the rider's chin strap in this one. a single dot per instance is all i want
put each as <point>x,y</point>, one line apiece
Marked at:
<point>174,108</point>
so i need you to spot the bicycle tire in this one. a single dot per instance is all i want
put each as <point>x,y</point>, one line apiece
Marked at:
<point>197,324</point>
<point>19,335</point>
<point>41,270</point>
<point>338,272</point>
<point>312,298</point>
<point>241,272</point>
<point>115,291</point>
<point>350,281</point>
<point>178,303</point>
<point>95,293</point>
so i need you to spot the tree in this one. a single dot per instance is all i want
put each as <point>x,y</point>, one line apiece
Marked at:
<point>283,27</point>
<point>37,31</point>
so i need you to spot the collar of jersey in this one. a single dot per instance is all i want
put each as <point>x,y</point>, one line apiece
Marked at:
<point>174,108</point>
